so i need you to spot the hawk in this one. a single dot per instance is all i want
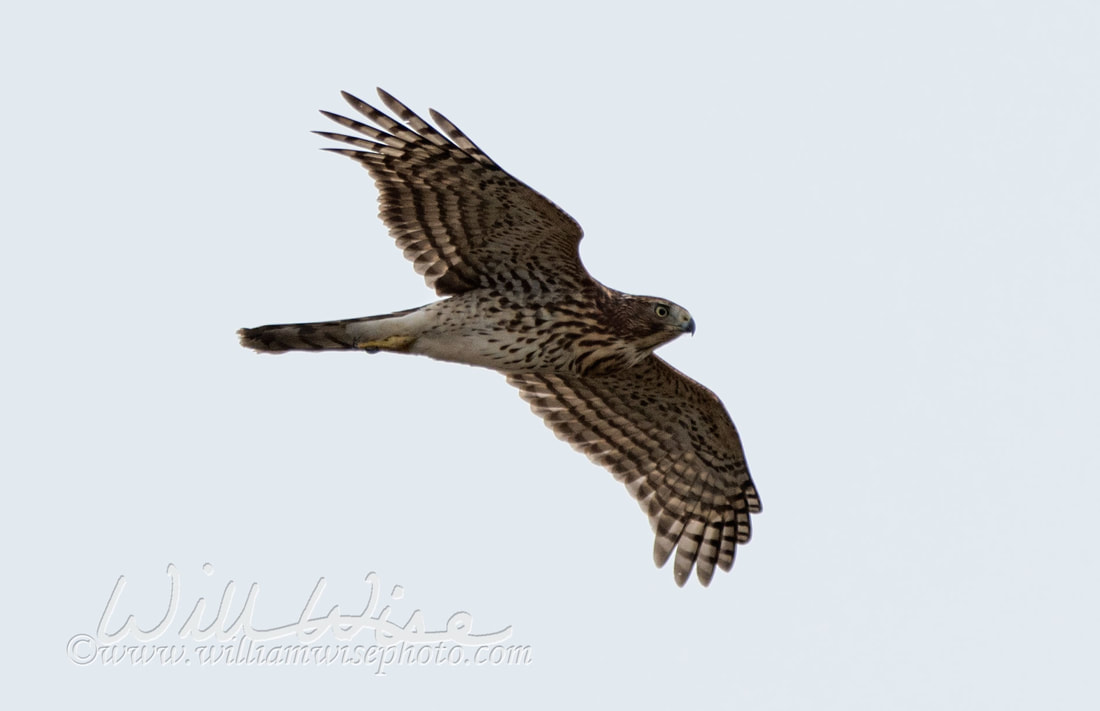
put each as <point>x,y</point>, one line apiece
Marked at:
<point>518,300</point>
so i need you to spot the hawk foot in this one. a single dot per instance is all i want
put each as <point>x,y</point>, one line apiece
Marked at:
<point>398,344</point>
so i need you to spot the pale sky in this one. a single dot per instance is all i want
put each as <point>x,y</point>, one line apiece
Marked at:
<point>883,217</point>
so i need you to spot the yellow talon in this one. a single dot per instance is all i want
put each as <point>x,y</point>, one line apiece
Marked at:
<point>390,343</point>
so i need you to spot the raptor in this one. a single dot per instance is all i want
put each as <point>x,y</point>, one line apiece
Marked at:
<point>516,299</point>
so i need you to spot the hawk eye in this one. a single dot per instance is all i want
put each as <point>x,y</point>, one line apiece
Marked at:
<point>661,310</point>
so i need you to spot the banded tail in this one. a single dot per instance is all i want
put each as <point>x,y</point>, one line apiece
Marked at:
<point>369,333</point>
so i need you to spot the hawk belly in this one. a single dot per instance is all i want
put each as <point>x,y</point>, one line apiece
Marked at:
<point>483,328</point>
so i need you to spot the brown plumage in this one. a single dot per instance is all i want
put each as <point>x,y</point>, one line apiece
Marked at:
<point>519,301</point>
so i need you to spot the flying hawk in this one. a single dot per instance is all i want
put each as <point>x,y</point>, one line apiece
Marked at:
<point>518,300</point>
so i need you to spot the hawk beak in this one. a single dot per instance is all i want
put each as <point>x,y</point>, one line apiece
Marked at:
<point>690,326</point>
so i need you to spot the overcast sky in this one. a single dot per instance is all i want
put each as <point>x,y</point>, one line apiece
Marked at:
<point>883,217</point>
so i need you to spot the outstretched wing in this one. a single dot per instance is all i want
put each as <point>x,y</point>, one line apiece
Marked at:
<point>463,221</point>
<point>670,440</point>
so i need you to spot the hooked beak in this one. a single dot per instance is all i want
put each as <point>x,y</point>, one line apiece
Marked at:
<point>690,326</point>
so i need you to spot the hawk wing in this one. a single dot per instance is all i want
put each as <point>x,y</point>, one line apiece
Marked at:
<point>670,440</point>
<point>463,221</point>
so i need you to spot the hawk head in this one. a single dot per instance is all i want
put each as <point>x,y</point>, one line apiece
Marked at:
<point>648,322</point>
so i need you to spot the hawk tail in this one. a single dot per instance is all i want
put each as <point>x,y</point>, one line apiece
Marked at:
<point>324,336</point>
<point>343,335</point>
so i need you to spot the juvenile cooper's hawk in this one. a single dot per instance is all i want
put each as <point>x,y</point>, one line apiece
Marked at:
<point>519,301</point>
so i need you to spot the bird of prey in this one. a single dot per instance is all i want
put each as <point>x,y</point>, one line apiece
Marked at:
<point>518,300</point>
